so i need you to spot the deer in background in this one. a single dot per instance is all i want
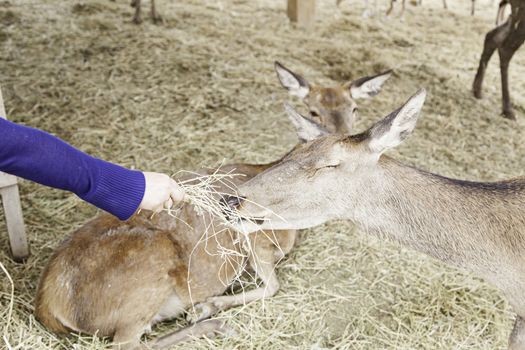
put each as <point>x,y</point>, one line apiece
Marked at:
<point>507,39</point>
<point>118,279</point>
<point>333,107</point>
<point>476,226</point>
<point>390,9</point>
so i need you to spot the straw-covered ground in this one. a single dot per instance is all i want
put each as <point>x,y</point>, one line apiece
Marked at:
<point>201,88</point>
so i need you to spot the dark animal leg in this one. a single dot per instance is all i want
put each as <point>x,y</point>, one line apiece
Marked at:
<point>504,60</point>
<point>136,18</point>
<point>493,40</point>
<point>156,17</point>
<point>512,43</point>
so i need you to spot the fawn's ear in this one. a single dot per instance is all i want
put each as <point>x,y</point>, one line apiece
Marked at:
<point>368,86</point>
<point>306,129</point>
<point>294,83</point>
<point>395,128</point>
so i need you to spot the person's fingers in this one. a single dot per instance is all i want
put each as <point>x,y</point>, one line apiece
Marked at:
<point>158,208</point>
<point>168,204</point>
<point>177,193</point>
<point>161,192</point>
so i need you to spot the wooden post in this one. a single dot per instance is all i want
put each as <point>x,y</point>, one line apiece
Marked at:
<point>12,209</point>
<point>301,11</point>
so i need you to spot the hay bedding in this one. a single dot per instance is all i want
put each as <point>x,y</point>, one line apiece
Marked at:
<point>201,88</point>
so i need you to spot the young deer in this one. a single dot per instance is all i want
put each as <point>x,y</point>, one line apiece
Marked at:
<point>117,279</point>
<point>476,226</point>
<point>333,107</point>
<point>507,38</point>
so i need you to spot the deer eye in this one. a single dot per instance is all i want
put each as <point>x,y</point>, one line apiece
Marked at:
<point>355,110</point>
<point>314,114</point>
<point>323,168</point>
<point>331,166</point>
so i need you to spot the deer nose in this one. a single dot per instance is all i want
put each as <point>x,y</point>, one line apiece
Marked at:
<point>231,202</point>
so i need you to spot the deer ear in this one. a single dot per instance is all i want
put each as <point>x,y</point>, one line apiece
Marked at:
<point>294,83</point>
<point>395,127</point>
<point>307,130</point>
<point>368,86</point>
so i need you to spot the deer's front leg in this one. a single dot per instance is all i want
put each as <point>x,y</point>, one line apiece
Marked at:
<point>512,43</point>
<point>261,260</point>
<point>517,337</point>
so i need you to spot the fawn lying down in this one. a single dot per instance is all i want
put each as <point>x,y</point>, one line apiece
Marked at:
<point>117,279</point>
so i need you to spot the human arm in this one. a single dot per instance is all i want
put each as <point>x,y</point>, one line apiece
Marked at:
<point>40,157</point>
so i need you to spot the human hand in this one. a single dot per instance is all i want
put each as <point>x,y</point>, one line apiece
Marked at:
<point>161,192</point>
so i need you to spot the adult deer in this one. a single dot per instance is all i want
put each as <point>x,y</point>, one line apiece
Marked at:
<point>118,279</point>
<point>507,38</point>
<point>477,226</point>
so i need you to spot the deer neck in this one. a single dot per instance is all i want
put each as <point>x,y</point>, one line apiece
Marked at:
<point>464,223</point>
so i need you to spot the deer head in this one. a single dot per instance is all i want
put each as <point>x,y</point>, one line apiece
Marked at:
<point>332,107</point>
<point>325,178</point>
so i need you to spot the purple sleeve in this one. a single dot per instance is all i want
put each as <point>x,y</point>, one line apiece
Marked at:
<point>40,157</point>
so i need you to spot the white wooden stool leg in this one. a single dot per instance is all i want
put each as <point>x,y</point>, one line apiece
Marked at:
<point>12,209</point>
<point>15,223</point>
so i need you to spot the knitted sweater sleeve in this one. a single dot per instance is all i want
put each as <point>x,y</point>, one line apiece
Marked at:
<point>40,157</point>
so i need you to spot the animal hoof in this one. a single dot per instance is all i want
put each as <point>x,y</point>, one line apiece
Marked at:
<point>157,19</point>
<point>476,89</point>
<point>201,312</point>
<point>509,114</point>
<point>218,303</point>
<point>220,328</point>
<point>477,93</point>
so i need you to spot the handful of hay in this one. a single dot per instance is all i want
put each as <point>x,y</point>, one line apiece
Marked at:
<point>204,194</point>
<point>205,191</point>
